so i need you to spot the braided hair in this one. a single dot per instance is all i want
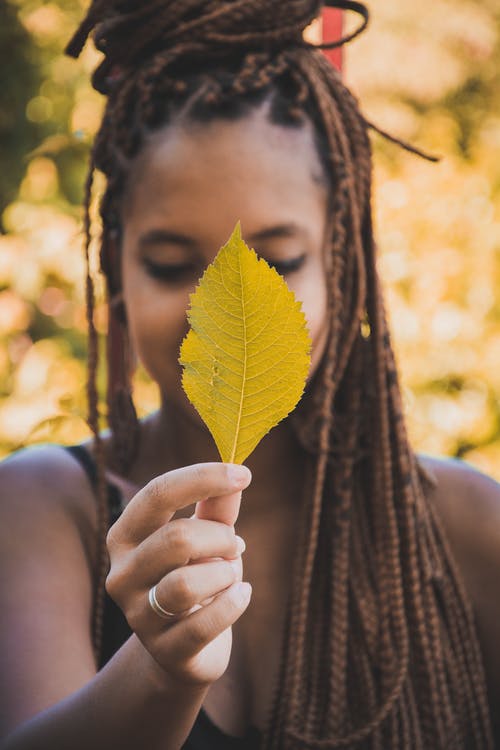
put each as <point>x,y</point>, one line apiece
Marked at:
<point>379,647</point>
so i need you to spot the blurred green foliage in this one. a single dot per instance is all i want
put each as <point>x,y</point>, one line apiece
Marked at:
<point>427,72</point>
<point>17,133</point>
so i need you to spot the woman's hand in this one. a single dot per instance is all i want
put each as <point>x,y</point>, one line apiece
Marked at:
<point>194,562</point>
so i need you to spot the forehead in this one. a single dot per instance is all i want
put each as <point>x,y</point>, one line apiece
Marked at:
<point>248,169</point>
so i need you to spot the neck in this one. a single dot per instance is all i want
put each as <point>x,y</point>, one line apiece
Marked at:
<point>170,439</point>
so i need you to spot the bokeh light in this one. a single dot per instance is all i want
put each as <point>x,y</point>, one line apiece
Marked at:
<point>427,72</point>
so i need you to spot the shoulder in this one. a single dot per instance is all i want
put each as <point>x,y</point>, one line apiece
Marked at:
<point>48,525</point>
<point>44,489</point>
<point>468,503</point>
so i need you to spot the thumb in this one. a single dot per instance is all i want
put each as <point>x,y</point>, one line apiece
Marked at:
<point>224,509</point>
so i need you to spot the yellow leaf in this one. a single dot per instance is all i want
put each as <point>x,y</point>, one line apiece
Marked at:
<point>246,356</point>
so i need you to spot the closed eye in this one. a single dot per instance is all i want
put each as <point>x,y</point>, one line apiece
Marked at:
<point>178,273</point>
<point>171,273</point>
<point>284,267</point>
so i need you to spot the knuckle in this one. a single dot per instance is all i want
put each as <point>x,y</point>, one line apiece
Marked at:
<point>109,584</point>
<point>178,537</point>
<point>182,590</point>
<point>113,583</point>
<point>111,538</point>
<point>117,582</point>
<point>158,490</point>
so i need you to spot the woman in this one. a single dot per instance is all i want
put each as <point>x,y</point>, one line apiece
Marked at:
<point>370,621</point>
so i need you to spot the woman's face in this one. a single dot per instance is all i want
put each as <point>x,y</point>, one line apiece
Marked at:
<point>187,190</point>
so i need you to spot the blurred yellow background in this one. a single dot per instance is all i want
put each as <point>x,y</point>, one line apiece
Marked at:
<point>427,73</point>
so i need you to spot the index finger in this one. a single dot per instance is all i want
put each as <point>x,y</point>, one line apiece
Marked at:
<point>156,503</point>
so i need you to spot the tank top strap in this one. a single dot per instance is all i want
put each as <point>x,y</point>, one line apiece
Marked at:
<point>85,460</point>
<point>89,466</point>
<point>116,629</point>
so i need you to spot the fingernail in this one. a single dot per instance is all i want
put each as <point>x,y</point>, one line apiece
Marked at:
<point>242,592</point>
<point>240,545</point>
<point>238,475</point>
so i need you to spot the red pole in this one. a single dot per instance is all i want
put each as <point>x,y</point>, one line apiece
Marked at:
<point>332,30</point>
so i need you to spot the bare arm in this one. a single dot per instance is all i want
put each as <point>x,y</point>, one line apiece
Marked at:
<point>128,704</point>
<point>469,504</point>
<point>150,692</point>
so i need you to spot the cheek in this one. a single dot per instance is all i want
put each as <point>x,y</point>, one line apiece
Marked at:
<point>318,328</point>
<point>314,298</point>
<point>157,324</point>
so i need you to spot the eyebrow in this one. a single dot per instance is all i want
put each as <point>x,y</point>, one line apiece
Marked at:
<point>165,236</point>
<point>162,236</point>
<point>277,232</point>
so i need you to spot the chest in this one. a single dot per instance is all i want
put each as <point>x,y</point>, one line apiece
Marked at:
<point>243,695</point>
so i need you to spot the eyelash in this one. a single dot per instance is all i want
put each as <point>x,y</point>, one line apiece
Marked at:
<point>175,274</point>
<point>170,274</point>
<point>284,267</point>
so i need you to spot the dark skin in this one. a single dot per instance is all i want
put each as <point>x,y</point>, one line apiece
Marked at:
<point>223,655</point>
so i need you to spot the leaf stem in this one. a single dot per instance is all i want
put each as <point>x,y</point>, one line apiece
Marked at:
<point>243,313</point>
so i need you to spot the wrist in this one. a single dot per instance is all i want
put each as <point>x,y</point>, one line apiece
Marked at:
<point>162,683</point>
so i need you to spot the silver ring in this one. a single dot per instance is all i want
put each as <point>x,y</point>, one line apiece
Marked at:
<point>156,606</point>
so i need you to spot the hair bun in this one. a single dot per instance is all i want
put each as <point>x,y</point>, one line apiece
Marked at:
<point>129,32</point>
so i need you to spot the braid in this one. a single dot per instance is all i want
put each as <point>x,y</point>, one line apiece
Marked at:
<point>379,648</point>
<point>93,419</point>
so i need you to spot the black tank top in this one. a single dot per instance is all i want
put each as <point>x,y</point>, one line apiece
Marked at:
<point>205,735</point>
